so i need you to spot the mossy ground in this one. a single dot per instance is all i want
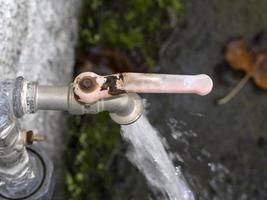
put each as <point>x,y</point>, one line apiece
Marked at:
<point>132,26</point>
<point>92,144</point>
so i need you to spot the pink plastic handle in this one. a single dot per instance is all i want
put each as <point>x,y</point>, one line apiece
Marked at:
<point>90,87</point>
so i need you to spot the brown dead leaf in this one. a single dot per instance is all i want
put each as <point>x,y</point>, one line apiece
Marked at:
<point>251,60</point>
<point>260,72</point>
<point>238,56</point>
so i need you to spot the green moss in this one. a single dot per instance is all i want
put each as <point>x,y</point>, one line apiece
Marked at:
<point>91,146</point>
<point>136,25</point>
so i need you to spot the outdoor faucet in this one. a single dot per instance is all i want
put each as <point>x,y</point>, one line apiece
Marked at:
<point>22,167</point>
<point>116,93</point>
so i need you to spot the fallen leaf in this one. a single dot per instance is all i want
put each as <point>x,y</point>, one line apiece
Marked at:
<point>238,56</point>
<point>251,60</point>
<point>260,72</point>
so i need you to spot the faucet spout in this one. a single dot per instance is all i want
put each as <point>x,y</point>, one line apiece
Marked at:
<point>123,109</point>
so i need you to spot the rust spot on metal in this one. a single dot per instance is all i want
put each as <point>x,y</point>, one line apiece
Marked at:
<point>87,84</point>
<point>121,76</point>
<point>111,84</point>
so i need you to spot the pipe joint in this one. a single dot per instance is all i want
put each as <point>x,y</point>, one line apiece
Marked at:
<point>123,109</point>
<point>29,97</point>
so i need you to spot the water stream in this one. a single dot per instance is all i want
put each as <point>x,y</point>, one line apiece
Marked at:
<point>147,153</point>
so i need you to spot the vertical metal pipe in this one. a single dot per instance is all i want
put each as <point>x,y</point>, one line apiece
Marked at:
<point>16,170</point>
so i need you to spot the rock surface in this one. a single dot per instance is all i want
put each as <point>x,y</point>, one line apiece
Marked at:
<point>37,42</point>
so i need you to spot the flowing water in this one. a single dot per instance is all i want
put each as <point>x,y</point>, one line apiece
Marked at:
<point>147,153</point>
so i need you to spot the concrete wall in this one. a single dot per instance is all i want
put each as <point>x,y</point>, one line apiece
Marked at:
<point>37,40</point>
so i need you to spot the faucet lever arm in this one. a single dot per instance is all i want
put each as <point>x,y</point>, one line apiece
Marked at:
<point>90,87</point>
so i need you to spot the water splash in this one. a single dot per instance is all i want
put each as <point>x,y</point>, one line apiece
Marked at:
<point>147,153</point>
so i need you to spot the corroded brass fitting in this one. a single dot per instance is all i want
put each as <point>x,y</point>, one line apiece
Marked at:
<point>28,137</point>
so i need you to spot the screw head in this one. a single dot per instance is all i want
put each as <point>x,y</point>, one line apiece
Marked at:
<point>87,84</point>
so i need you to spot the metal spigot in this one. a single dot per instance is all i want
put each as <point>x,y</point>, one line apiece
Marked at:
<point>21,166</point>
<point>116,93</point>
<point>90,88</point>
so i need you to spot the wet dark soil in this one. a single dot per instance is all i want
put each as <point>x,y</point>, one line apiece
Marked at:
<point>222,149</point>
